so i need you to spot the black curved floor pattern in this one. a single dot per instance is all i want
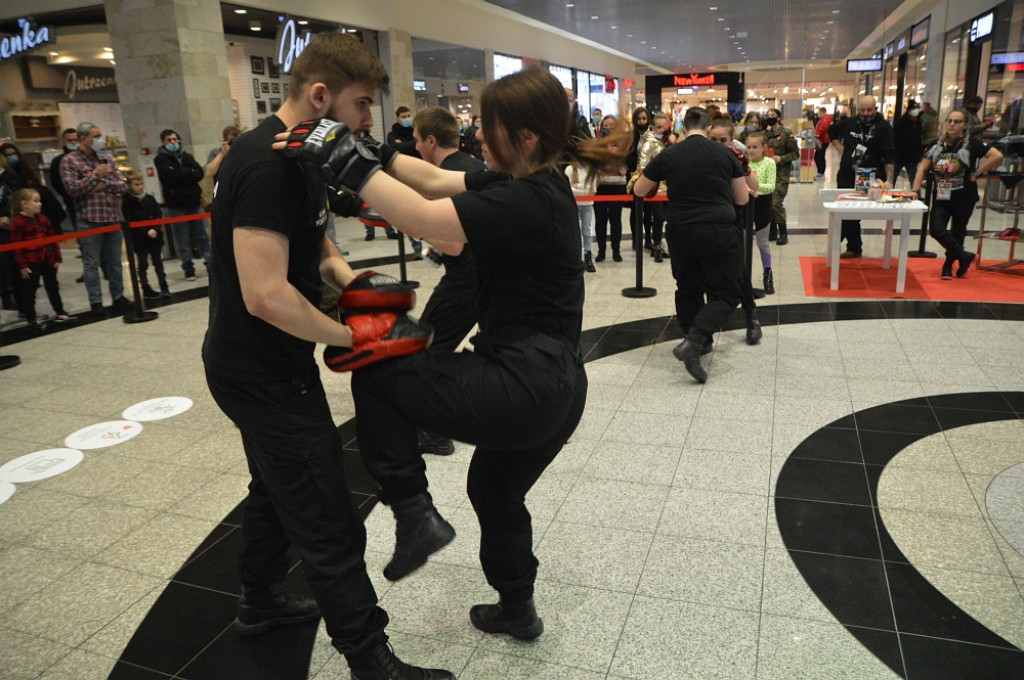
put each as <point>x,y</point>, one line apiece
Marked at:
<point>825,507</point>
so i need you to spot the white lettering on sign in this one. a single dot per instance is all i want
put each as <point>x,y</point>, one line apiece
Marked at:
<point>73,84</point>
<point>290,44</point>
<point>30,38</point>
<point>982,26</point>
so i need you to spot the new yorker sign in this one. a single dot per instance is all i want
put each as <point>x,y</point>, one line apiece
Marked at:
<point>31,37</point>
<point>694,79</point>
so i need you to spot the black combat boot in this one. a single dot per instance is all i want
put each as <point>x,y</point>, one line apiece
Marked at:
<point>773,231</point>
<point>380,663</point>
<point>518,620</point>
<point>259,612</point>
<point>419,532</point>
<point>783,235</point>
<point>753,328</point>
<point>689,351</point>
<point>769,280</point>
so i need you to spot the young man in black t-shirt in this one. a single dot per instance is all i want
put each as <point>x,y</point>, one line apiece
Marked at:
<point>704,180</point>
<point>271,260</point>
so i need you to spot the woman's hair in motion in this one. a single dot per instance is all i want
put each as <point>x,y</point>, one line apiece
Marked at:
<point>534,100</point>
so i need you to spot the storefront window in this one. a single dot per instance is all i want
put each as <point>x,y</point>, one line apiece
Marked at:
<point>914,76</point>
<point>952,76</point>
<point>1005,89</point>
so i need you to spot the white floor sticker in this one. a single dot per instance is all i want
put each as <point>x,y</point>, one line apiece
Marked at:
<point>6,491</point>
<point>157,409</point>
<point>39,465</point>
<point>103,434</point>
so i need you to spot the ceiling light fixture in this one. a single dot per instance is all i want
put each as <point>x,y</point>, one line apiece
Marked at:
<point>240,11</point>
<point>595,18</point>
<point>302,22</point>
<point>254,25</point>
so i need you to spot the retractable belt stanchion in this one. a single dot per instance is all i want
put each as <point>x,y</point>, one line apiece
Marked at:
<point>639,291</point>
<point>921,252</point>
<point>140,314</point>
<point>401,262</point>
<point>748,246</point>
<point>9,361</point>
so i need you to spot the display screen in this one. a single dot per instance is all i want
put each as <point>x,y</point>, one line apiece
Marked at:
<point>982,26</point>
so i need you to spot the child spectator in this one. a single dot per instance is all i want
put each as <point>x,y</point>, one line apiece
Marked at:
<point>28,223</point>
<point>764,168</point>
<point>148,242</point>
<point>584,184</point>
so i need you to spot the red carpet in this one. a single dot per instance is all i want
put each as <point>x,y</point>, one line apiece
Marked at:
<point>865,278</point>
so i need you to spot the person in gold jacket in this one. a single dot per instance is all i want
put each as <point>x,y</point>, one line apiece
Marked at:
<point>781,147</point>
<point>651,144</point>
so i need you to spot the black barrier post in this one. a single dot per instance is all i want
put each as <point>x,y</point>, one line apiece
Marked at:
<point>9,361</point>
<point>638,291</point>
<point>140,314</point>
<point>401,262</point>
<point>921,252</point>
<point>748,245</point>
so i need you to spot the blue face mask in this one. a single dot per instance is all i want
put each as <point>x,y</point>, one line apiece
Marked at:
<point>71,147</point>
<point>406,122</point>
<point>173,148</point>
<point>13,159</point>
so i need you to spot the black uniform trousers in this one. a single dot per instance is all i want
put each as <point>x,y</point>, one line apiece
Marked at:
<point>518,397</point>
<point>849,229</point>
<point>959,209</point>
<point>48,273</point>
<point>299,496</point>
<point>707,259</point>
<point>453,307</point>
<point>147,248</point>
<point>606,213</point>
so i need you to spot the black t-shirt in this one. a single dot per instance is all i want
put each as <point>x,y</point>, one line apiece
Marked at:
<point>698,174</point>
<point>956,163</point>
<point>460,161</point>
<point>875,136</point>
<point>258,187</point>
<point>525,236</point>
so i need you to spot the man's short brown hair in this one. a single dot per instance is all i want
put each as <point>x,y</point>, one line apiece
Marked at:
<point>337,61</point>
<point>440,123</point>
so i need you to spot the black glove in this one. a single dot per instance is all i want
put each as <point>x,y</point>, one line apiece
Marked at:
<point>332,147</point>
<point>384,153</point>
<point>343,203</point>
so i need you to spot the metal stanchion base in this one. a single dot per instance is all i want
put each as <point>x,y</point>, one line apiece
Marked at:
<point>758,293</point>
<point>639,292</point>
<point>9,361</point>
<point>921,253</point>
<point>140,317</point>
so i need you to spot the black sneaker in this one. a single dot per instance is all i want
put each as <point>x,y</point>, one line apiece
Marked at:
<point>149,293</point>
<point>257,615</point>
<point>369,237</point>
<point>123,304</point>
<point>434,443</point>
<point>966,260</point>
<point>521,621</point>
<point>98,310</point>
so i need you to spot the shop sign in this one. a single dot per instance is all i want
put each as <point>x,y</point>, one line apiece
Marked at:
<point>30,38</point>
<point>693,79</point>
<point>982,26</point>
<point>289,44</point>
<point>919,33</point>
<point>74,84</point>
<point>863,65</point>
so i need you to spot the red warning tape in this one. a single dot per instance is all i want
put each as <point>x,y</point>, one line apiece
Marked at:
<point>96,231</point>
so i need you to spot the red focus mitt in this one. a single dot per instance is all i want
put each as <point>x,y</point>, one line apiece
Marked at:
<point>371,290</point>
<point>377,336</point>
<point>370,217</point>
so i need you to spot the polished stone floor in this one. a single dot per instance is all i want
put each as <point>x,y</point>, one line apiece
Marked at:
<point>843,500</point>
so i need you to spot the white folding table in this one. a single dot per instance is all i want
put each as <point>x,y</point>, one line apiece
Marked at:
<point>839,210</point>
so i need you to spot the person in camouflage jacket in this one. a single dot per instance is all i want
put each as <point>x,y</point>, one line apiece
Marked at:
<point>780,146</point>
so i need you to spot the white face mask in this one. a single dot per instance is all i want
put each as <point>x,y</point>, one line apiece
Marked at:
<point>914,113</point>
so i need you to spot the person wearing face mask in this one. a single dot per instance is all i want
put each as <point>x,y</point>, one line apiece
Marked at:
<point>780,146</point>
<point>28,178</point>
<point>470,143</point>
<point>611,180</point>
<point>69,142</point>
<point>402,139</point>
<point>974,126</point>
<point>180,175</point>
<point>97,186</point>
<point>865,141</point>
<point>751,123</point>
<point>907,133</point>
<point>595,122</point>
<point>641,119</point>
<point>651,144</point>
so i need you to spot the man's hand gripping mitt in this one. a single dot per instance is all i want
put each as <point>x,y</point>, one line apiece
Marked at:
<point>333,148</point>
<point>377,336</point>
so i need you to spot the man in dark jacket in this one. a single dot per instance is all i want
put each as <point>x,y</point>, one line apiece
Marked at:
<point>866,141</point>
<point>907,131</point>
<point>180,175</point>
<point>70,143</point>
<point>402,139</point>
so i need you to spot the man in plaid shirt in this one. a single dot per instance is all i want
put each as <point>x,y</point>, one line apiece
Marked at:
<point>96,187</point>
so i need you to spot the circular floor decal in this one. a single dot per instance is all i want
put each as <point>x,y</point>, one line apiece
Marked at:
<point>101,435</point>
<point>157,409</point>
<point>6,491</point>
<point>39,465</point>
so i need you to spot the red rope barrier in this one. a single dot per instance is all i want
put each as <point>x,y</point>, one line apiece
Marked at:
<point>96,231</point>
